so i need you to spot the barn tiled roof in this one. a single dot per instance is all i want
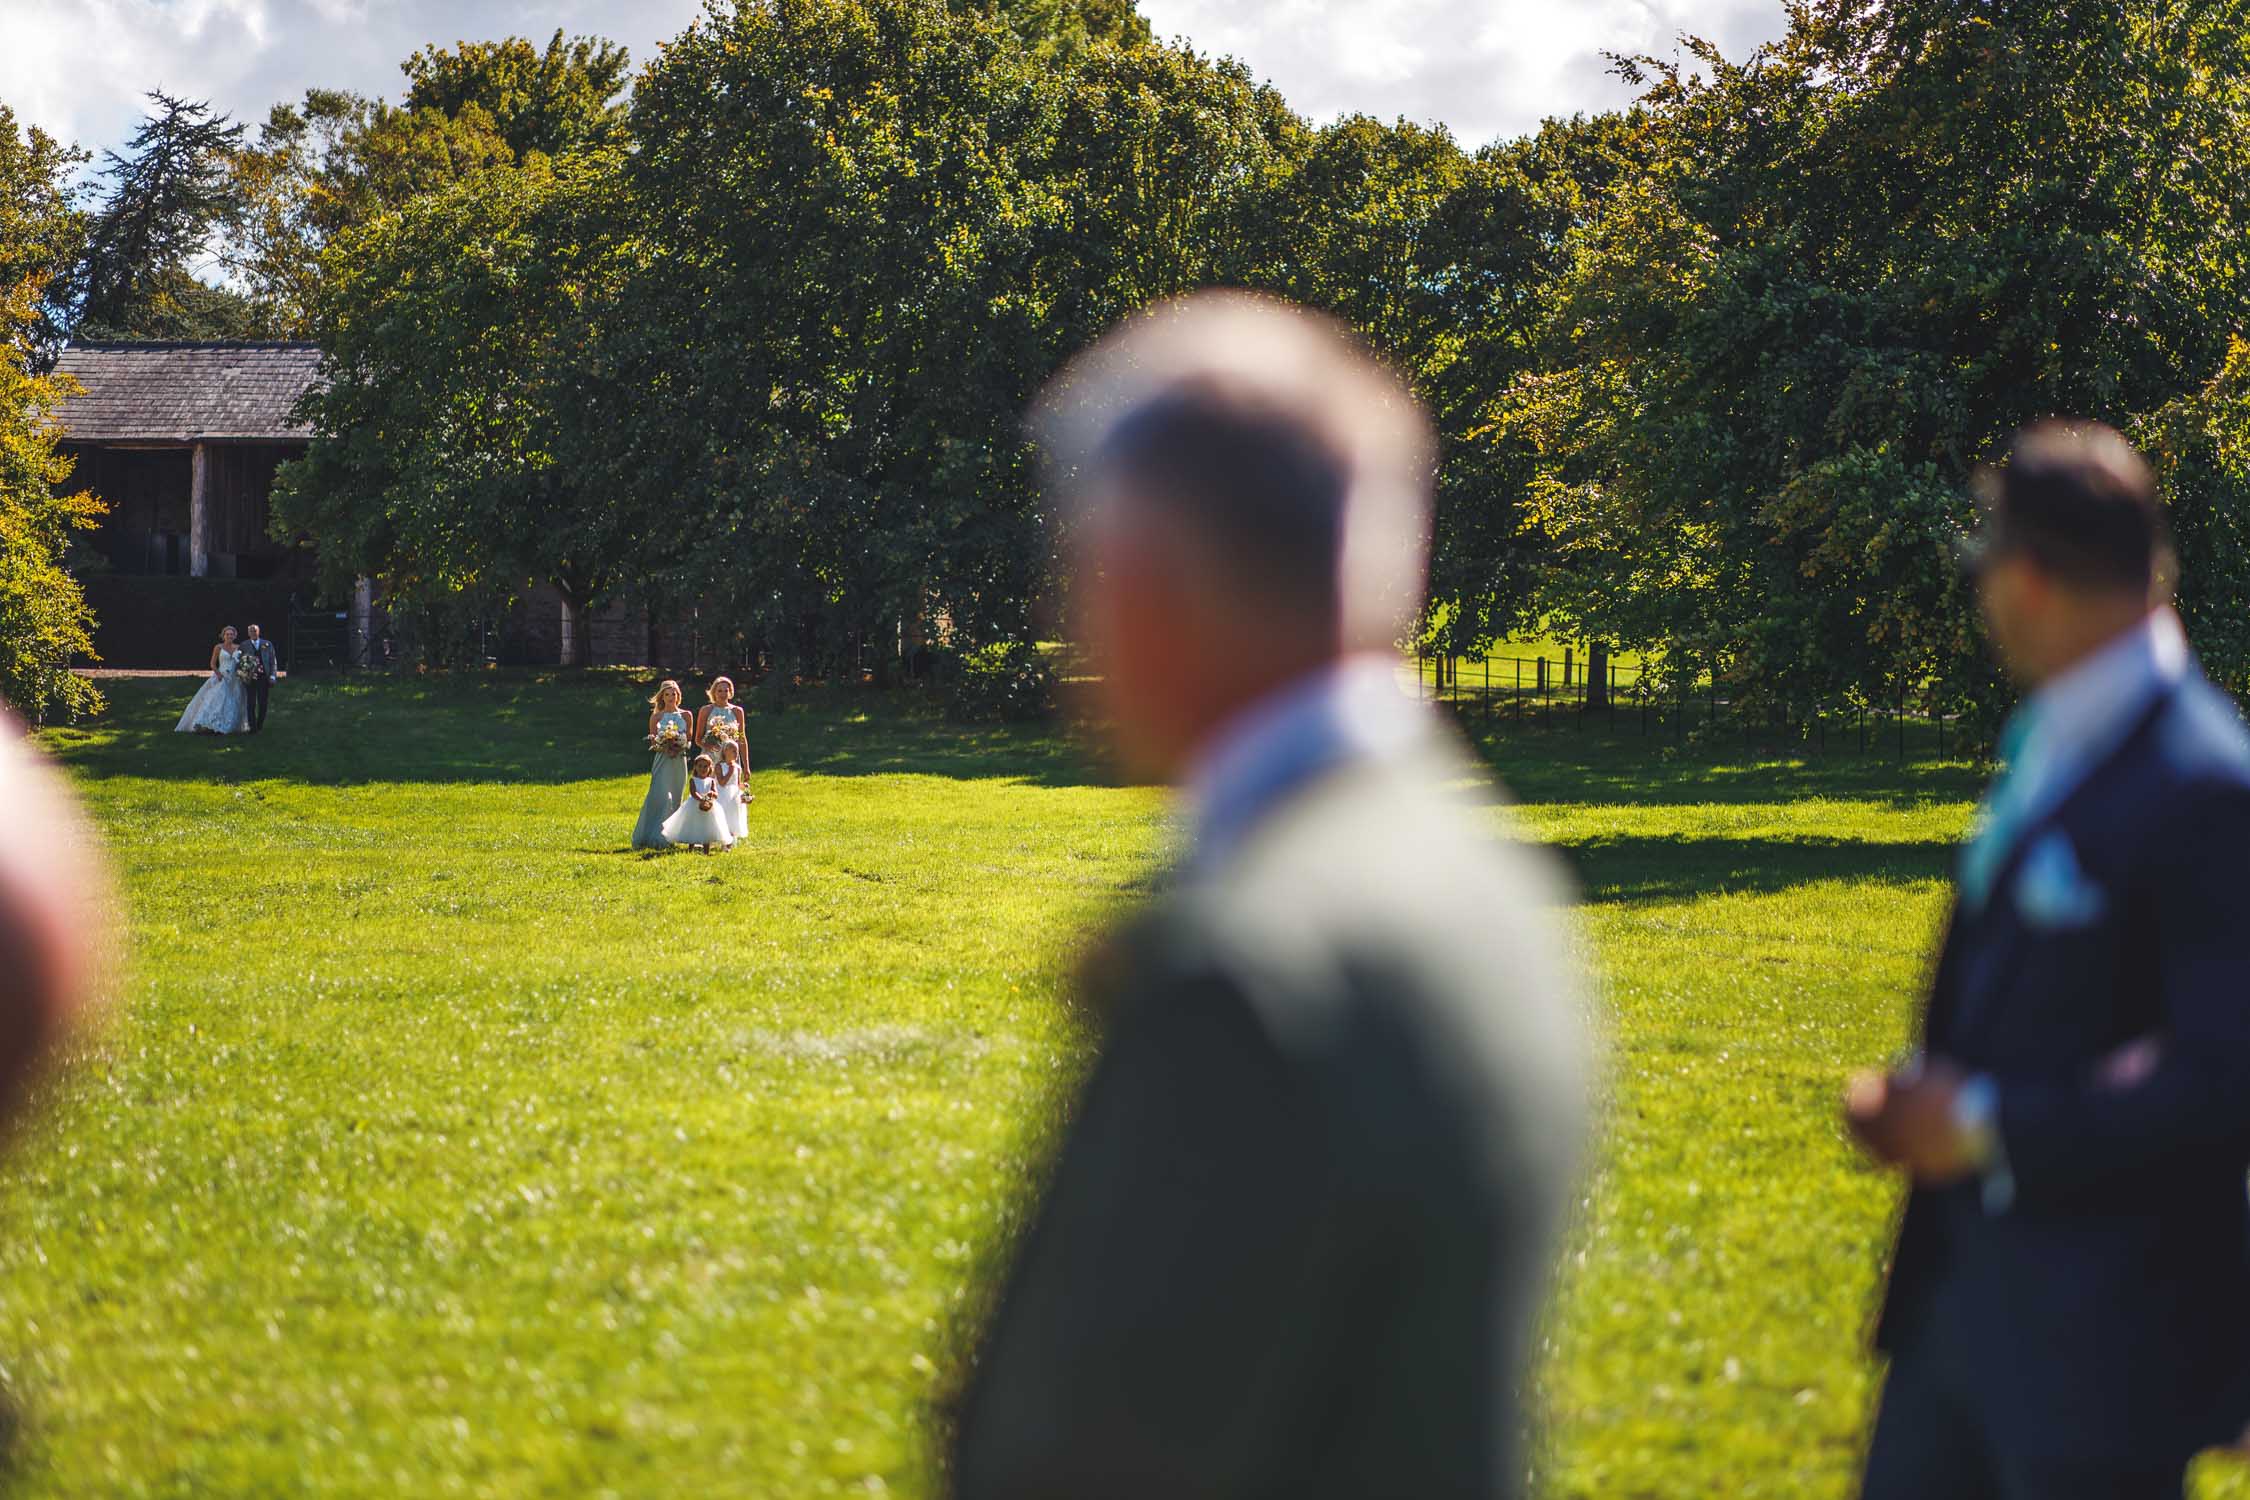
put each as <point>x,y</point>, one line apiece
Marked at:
<point>184,393</point>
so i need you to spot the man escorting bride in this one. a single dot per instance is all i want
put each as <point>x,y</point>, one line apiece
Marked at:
<point>222,704</point>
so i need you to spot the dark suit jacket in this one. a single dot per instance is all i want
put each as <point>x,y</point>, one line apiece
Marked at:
<point>2102,1311</point>
<point>267,656</point>
<point>1297,1240</point>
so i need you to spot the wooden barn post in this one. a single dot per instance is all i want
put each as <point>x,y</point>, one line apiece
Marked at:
<point>199,511</point>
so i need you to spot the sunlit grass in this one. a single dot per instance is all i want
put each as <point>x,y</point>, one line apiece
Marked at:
<point>442,1146</point>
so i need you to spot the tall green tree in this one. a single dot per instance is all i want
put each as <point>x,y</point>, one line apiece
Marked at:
<point>42,230</point>
<point>848,334</point>
<point>335,160</point>
<point>566,97</point>
<point>166,197</point>
<point>1846,268</point>
<point>460,463</point>
<point>881,225</point>
<point>1492,255</point>
<point>1064,30</point>
<point>44,621</point>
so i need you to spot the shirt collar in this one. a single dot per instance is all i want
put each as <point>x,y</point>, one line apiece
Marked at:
<point>1349,711</point>
<point>2082,714</point>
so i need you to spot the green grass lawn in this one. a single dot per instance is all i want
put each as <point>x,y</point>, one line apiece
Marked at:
<point>443,1146</point>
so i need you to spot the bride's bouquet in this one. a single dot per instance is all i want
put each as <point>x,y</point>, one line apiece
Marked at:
<point>247,667</point>
<point>670,742</point>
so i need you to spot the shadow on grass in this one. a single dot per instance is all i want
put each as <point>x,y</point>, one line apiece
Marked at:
<point>544,727</point>
<point>1625,870</point>
<point>1623,770</point>
<point>535,727</point>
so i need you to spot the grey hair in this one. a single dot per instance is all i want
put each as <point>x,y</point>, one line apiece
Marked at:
<point>1298,368</point>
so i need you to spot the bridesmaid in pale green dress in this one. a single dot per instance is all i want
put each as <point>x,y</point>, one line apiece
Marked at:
<point>667,774</point>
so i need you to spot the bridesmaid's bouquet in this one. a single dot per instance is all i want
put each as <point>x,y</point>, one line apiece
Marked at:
<point>669,742</point>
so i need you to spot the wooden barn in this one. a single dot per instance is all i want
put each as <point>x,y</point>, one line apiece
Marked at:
<point>182,440</point>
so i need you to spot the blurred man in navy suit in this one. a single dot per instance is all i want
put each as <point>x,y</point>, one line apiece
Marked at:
<point>2069,1304</point>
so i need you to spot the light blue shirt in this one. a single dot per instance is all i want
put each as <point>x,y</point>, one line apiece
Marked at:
<point>2059,734</point>
<point>1349,712</point>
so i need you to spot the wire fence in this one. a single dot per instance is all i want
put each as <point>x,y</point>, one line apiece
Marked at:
<point>1561,693</point>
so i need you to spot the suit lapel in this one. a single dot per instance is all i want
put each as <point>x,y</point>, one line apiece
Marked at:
<point>1994,938</point>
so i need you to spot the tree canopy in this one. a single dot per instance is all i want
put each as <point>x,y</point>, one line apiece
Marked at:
<point>752,332</point>
<point>44,622</point>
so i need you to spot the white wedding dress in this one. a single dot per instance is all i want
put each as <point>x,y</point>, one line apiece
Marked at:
<point>222,704</point>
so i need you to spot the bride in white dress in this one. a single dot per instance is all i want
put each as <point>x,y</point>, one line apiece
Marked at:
<point>222,704</point>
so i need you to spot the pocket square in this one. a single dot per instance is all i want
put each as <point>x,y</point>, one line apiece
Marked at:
<point>2053,892</point>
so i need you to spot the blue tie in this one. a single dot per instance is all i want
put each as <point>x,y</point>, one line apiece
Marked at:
<point>2006,803</point>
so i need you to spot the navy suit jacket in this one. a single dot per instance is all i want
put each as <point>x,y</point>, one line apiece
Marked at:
<point>2103,1309</point>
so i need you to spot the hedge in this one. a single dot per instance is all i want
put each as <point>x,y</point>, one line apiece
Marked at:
<point>153,620</point>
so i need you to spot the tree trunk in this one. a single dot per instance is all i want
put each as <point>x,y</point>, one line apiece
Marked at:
<point>1597,674</point>
<point>578,596</point>
<point>573,652</point>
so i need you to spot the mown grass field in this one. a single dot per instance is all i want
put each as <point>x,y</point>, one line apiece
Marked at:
<point>440,1145</point>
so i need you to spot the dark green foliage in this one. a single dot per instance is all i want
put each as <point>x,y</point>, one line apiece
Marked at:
<point>1831,279</point>
<point>44,622</point>
<point>1004,683</point>
<point>336,160</point>
<point>467,456</point>
<point>42,231</point>
<point>1066,29</point>
<point>772,359</point>
<point>566,98</point>
<point>172,622</point>
<point>1710,373</point>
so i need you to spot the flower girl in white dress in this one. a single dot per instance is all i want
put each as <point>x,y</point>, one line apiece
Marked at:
<point>699,824</point>
<point>728,777</point>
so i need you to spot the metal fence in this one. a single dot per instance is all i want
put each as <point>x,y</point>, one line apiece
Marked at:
<point>321,641</point>
<point>1560,693</point>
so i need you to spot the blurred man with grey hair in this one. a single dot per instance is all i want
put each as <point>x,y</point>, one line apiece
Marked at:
<point>1298,1237</point>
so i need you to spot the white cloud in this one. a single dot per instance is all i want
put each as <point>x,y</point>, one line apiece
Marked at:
<point>79,68</point>
<point>1488,68</point>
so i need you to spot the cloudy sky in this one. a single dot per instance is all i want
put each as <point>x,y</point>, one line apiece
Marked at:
<point>1488,68</point>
